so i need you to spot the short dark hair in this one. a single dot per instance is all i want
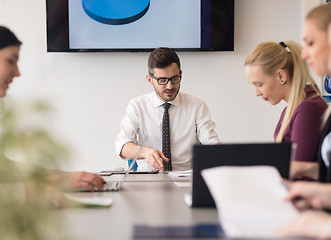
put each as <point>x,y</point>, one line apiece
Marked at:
<point>8,38</point>
<point>162,57</point>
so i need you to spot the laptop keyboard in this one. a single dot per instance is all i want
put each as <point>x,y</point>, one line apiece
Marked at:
<point>111,186</point>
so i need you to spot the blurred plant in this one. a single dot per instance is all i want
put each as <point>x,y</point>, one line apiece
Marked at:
<point>25,195</point>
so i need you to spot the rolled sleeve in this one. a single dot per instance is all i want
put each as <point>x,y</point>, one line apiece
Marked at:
<point>205,126</point>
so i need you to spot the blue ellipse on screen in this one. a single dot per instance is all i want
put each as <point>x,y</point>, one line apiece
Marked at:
<point>327,84</point>
<point>115,12</point>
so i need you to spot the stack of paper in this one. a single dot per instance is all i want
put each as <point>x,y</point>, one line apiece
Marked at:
<point>249,200</point>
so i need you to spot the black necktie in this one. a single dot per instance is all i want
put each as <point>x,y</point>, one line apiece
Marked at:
<point>166,137</point>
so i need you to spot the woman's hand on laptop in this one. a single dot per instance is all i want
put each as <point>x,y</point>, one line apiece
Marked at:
<point>154,157</point>
<point>85,180</point>
<point>77,180</point>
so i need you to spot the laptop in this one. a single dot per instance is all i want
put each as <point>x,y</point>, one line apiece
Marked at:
<point>117,185</point>
<point>208,156</point>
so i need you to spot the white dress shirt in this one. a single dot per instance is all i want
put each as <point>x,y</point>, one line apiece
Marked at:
<point>190,124</point>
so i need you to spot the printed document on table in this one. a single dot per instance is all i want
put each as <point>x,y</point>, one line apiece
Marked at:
<point>249,200</point>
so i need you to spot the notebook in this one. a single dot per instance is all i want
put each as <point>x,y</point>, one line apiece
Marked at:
<point>208,156</point>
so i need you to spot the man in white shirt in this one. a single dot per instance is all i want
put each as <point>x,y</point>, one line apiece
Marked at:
<point>189,118</point>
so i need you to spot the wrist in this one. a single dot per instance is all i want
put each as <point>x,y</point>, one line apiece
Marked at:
<point>142,154</point>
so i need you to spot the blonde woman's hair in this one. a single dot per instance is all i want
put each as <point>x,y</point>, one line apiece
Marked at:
<point>321,15</point>
<point>272,56</point>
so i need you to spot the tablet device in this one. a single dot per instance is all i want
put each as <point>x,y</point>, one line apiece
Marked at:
<point>145,171</point>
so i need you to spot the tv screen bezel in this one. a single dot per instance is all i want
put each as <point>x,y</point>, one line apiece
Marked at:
<point>220,32</point>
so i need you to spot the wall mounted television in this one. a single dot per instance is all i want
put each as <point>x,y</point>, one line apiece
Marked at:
<point>139,25</point>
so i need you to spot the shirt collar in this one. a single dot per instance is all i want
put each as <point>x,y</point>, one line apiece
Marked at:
<point>157,102</point>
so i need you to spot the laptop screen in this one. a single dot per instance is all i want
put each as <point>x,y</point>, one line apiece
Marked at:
<point>132,164</point>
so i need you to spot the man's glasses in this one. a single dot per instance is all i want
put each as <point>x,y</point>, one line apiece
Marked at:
<point>164,81</point>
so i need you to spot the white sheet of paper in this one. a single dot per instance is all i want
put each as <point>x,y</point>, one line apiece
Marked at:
<point>249,200</point>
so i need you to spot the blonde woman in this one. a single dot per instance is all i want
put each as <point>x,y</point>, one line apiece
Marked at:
<point>278,73</point>
<point>317,52</point>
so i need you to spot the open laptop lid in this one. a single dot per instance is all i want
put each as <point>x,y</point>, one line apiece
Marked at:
<point>208,156</point>
<point>132,163</point>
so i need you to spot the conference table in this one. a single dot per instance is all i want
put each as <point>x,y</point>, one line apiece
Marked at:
<point>145,199</point>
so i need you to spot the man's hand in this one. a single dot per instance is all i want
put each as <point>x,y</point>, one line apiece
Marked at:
<point>154,157</point>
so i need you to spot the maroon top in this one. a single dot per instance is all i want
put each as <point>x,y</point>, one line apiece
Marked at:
<point>304,128</point>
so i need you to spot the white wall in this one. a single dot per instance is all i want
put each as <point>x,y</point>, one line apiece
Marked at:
<point>91,90</point>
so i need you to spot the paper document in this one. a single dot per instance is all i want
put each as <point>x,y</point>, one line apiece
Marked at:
<point>249,200</point>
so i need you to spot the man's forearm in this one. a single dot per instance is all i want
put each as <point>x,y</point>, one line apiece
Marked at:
<point>130,150</point>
